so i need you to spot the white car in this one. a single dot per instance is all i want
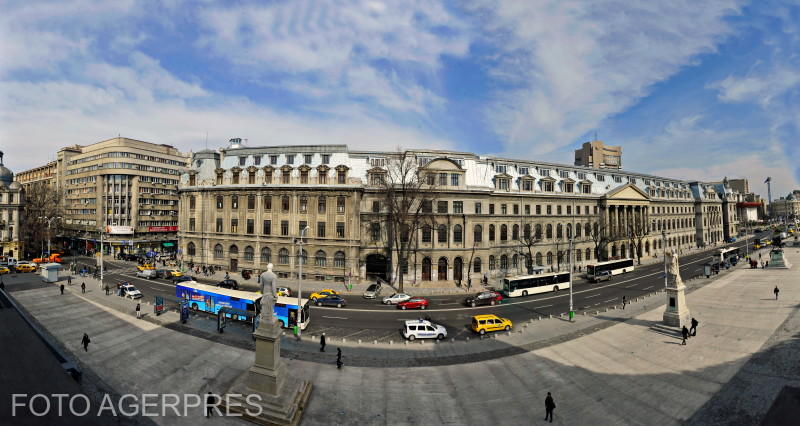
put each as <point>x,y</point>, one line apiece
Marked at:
<point>283,291</point>
<point>422,329</point>
<point>396,298</point>
<point>131,291</point>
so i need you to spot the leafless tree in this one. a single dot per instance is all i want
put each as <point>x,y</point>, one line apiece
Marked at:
<point>41,200</point>
<point>637,231</point>
<point>601,240</point>
<point>527,242</point>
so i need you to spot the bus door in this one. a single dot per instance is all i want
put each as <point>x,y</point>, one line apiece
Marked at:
<point>292,316</point>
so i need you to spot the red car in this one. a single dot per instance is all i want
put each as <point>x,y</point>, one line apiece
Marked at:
<point>413,303</point>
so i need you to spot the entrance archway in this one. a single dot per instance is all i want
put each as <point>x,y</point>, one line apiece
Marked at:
<point>377,266</point>
<point>442,270</point>
<point>458,266</point>
<point>426,269</point>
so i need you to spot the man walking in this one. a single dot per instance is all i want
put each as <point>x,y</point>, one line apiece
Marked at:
<point>138,311</point>
<point>624,302</point>
<point>107,289</point>
<point>776,291</point>
<point>210,402</point>
<point>549,406</point>
<point>69,279</point>
<point>339,358</point>
<point>62,289</point>
<point>322,343</point>
<point>693,330</point>
<point>83,287</point>
<point>685,334</point>
<point>85,341</point>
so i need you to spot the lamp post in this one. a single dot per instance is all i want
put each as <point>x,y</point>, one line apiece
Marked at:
<point>571,264</point>
<point>49,221</point>
<point>664,251</point>
<point>300,281</point>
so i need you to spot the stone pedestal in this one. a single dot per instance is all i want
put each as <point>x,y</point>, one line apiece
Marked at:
<point>266,394</point>
<point>778,260</point>
<point>677,313</point>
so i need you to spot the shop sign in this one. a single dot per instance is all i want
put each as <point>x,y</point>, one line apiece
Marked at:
<point>162,229</point>
<point>117,230</point>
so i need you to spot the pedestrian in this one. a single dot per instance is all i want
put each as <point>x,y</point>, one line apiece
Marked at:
<point>776,291</point>
<point>766,264</point>
<point>322,343</point>
<point>685,334</point>
<point>83,287</point>
<point>69,279</point>
<point>62,288</point>
<point>2,284</point>
<point>693,330</point>
<point>624,302</point>
<point>227,276</point>
<point>138,311</point>
<point>549,406</point>
<point>85,341</point>
<point>210,400</point>
<point>339,358</point>
<point>107,290</point>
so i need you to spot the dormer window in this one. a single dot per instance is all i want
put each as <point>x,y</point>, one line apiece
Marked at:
<point>527,184</point>
<point>454,179</point>
<point>617,179</point>
<point>586,188</point>
<point>523,170</point>
<point>289,158</point>
<point>544,172</point>
<point>547,186</point>
<point>192,180</point>
<point>242,160</point>
<point>273,159</point>
<point>326,158</point>
<point>307,158</point>
<point>500,168</point>
<point>564,173</point>
<point>502,184</point>
<point>569,187</point>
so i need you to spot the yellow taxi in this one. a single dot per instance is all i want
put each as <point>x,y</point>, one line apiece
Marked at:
<point>483,323</point>
<point>145,267</point>
<point>323,293</point>
<point>25,267</point>
<point>4,270</point>
<point>174,273</point>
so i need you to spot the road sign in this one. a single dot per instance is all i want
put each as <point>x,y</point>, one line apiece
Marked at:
<point>158,306</point>
<point>151,254</point>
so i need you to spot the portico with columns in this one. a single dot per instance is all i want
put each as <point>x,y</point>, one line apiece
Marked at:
<point>625,219</point>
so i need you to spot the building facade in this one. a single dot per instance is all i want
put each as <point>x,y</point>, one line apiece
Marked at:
<point>596,154</point>
<point>12,201</point>
<point>786,208</point>
<point>244,207</point>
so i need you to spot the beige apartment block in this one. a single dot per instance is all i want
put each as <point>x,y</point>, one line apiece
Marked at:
<point>598,155</point>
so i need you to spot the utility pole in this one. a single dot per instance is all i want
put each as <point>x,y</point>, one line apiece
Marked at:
<point>664,250</point>
<point>571,265</point>
<point>299,318</point>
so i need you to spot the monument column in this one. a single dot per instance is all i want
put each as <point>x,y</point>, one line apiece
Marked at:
<point>676,313</point>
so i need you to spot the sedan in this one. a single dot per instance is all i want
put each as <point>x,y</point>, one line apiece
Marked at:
<point>395,298</point>
<point>414,303</point>
<point>131,291</point>
<point>4,270</point>
<point>232,284</point>
<point>331,300</point>
<point>183,278</point>
<point>483,298</point>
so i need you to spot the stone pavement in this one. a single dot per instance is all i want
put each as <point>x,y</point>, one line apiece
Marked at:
<point>633,372</point>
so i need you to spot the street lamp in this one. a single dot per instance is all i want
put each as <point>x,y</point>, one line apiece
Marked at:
<point>300,282</point>
<point>664,251</point>
<point>49,221</point>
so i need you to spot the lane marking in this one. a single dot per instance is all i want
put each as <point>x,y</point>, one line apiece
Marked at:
<point>609,300</point>
<point>647,288</point>
<point>594,295</point>
<point>540,307</point>
<point>343,318</point>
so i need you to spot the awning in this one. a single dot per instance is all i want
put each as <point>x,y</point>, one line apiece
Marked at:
<point>168,244</point>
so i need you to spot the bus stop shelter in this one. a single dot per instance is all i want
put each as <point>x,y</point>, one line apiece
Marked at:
<point>230,314</point>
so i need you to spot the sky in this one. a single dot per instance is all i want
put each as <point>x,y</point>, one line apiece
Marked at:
<point>691,90</point>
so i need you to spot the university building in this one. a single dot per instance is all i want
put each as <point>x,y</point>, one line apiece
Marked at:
<point>12,201</point>
<point>244,207</point>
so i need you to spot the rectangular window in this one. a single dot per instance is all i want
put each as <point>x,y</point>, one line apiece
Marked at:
<point>454,179</point>
<point>568,187</point>
<point>538,209</point>
<point>307,158</point>
<point>430,179</point>
<point>273,159</point>
<point>303,206</point>
<point>516,208</point>
<point>558,210</point>
<point>267,202</point>
<point>266,228</point>
<point>527,209</point>
<point>427,206</point>
<point>340,205</point>
<point>322,177</point>
<point>544,172</point>
<point>242,160</point>
<point>581,175</point>
<point>192,180</point>
<point>569,210</point>
<point>441,207</point>
<point>234,202</point>
<point>339,229</point>
<point>491,208</point>
<point>500,168</point>
<point>503,184</point>
<point>301,226</point>
<point>251,202</point>
<point>251,178</point>
<point>284,227</point>
<point>442,179</point>
<point>478,208</point>
<point>527,185</point>
<point>321,229</point>
<point>219,224</point>
<point>268,176</point>
<point>564,173</point>
<point>523,171</point>
<point>236,178</point>
<point>549,209</point>
<point>257,160</point>
<point>547,186</point>
<point>285,176</point>
<point>586,210</point>
<point>458,207</point>
<point>289,158</point>
<point>304,177</point>
<point>341,177</point>
<point>285,203</point>
<point>326,158</point>
<point>251,226</point>
<point>192,202</point>
<point>617,179</point>
<point>586,188</point>
<point>234,226</point>
<point>600,177</point>
<point>376,207</point>
<point>191,224</point>
<point>503,209</point>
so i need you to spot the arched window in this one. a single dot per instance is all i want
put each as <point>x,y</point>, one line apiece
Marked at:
<point>302,256</point>
<point>477,233</point>
<point>549,258</point>
<point>441,233</point>
<point>526,231</point>
<point>588,254</point>
<point>514,261</point>
<point>596,229</point>
<point>549,231</point>
<point>266,255</point>
<point>319,258</point>
<point>503,262</point>
<point>190,249</point>
<point>426,234</point>
<point>283,256</point>
<point>538,233</point>
<point>233,250</point>
<point>442,269</point>
<point>491,263</point>
<point>560,256</point>
<point>515,232</point>
<point>458,269</point>
<point>338,259</point>
<point>578,230</point>
<point>476,264</point>
<point>458,235</point>
<point>503,232</point>
<point>491,232</point>
<point>559,231</point>
<point>569,230</point>
<point>539,258</point>
<point>578,254</point>
<point>218,251</point>
<point>249,253</point>
<point>426,269</point>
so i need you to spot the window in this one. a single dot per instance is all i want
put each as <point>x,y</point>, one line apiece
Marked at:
<point>564,173</point>
<point>251,202</point>
<point>340,205</point>
<point>442,179</point>
<point>268,176</point>
<point>192,180</point>
<point>321,204</point>
<point>326,158</point>
<point>234,202</point>
<point>376,207</point>
<point>430,179</point>
<point>319,258</point>
<point>251,178</point>
<point>477,233</point>
<point>515,232</point>
<point>441,233</point>
<point>441,207</point>
<point>600,177</point>
<point>257,160</point>
<point>249,253</point>
<point>523,171</point>
<point>458,207</point>
<point>491,263</point>
<point>503,262</point>
<point>301,226</point>
<point>191,249</point>
<point>491,208</point>
<point>476,265</point>
<point>491,232</point>
<point>242,160</point>
<point>273,159</point>
<point>559,231</point>
<point>307,158</point>
<point>375,231</point>
<point>526,231</point>
<point>478,208</point>
<point>267,202</point>
<point>219,224</point>
<point>427,206</point>
<point>502,184</point>
<point>544,172</point>
<point>549,258</point>
<point>503,232</point>
<point>284,227</point>
<point>549,209</point>
<point>581,175</point>
<point>234,226</point>
<point>285,203</point>
<point>569,187</point>
<point>549,231</point>
<point>192,202</point>
<point>266,255</point>
<point>267,227</point>
<point>503,209</point>
<point>191,224</point>
<point>500,168</point>
<point>219,178</point>
<point>320,229</point>
<point>322,177</point>
<point>289,158</point>
<point>285,176</point>
<point>454,179</point>
<point>547,186</point>
<point>341,177</point>
<point>220,202</point>
<point>527,185</point>
<point>617,178</point>
<point>303,204</point>
<point>458,234</point>
<point>586,188</point>
<point>251,226</point>
<point>527,209</point>
<point>236,178</point>
<point>516,208</point>
<point>426,234</point>
<point>283,256</point>
<point>338,259</point>
<point>218,251</point>
<point>558,210</point>
<point>304,177</point>
<point>339,229</point>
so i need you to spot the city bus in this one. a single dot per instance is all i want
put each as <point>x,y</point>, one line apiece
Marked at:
<point>614,266</point>
<point>726,255</point>
<point>211,299</point>
<point>531,284</point>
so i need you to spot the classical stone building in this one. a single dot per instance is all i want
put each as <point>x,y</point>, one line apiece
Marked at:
<point>786,208</point>
<point>12,201</point>
<point>243,207</point>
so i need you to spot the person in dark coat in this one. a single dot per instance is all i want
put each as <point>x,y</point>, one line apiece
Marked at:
<point>685,334</point>
<point>210,401</point>
<point>322,343</point>
<point>776,291</point>
<point>693,330</point>
<point>107,290</point>
<point>549,406</point>
<point>85,341</point>
<point>69,279</point>
<point>339,358</point>
<point>624,301</point>
<point>83,287</point>
<point>62,289</point>
<point>138,311</point>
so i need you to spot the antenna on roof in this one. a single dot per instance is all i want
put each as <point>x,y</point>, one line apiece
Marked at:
<point>206,140</point>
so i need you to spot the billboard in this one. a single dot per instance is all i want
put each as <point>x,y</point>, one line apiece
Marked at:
<point>162,229</point>
<point>117,230</point>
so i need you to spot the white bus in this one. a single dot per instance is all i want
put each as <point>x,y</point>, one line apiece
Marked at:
<point>726,255</point>
<point>614,266</point>
<point>531,284</point>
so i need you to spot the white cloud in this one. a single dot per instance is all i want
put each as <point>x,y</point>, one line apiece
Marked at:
<point>761,89</point>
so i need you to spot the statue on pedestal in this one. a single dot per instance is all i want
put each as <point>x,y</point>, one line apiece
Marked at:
<point>268,280</point>
<point>676,313</point>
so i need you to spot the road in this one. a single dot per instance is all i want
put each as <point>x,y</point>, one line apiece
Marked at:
<point>370,320</point>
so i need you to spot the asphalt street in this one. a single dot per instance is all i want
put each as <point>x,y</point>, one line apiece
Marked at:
<point>371,320</point>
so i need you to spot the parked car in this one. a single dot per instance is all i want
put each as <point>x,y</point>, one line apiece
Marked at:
<point>162,273</point>
<point>602,276</point>
<point>25,267</point>
<point>423,329</point>
<point>395,298</point>
<point>414,303</point>
<point>174,273</point>
<point>373,291</point>
<point>483,298</point>
<point>483,323</point>
<point>4,270</point>
<point>147,273</point>
<point>183,278</point>
<point>231,284</point>
<point>731,240</point>
<point>331,300</point>
<point>322,293</point>
<point>283,291</point>
<point>131,291</point>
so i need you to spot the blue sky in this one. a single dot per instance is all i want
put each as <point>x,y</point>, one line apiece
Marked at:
<point>692,90</point>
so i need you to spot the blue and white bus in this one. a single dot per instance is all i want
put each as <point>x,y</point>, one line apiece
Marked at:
<point>211,299</point>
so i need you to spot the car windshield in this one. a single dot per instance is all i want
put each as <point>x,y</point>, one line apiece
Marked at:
<point>372,287</point>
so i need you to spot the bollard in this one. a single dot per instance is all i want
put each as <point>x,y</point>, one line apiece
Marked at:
<point>452,340</point>
<point>374,342</point>
<point>391,342</point>
<point>539,318</point>
<point>359,341</point>
<point>467,340</point>
<point>550,316</point>
<point>596,312</point>
<point>343,340</point>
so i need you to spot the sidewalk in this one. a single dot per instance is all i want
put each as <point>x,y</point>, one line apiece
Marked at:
<point>634,371</point>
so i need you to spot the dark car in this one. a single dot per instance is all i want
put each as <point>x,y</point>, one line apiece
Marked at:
<point>483,298</point>
<point>183,278</point>
<point>231,284</point>
<point>162,273</point>
<point>331,300</point>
